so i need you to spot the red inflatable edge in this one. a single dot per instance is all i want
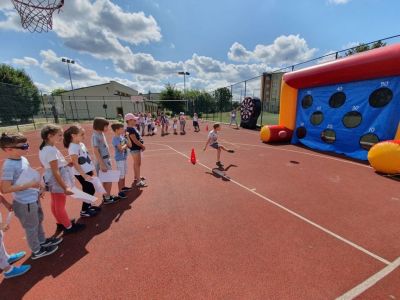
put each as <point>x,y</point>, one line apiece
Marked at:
<point>380,62</point>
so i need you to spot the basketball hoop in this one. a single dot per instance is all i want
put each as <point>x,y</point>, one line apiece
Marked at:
<point>36,15</point>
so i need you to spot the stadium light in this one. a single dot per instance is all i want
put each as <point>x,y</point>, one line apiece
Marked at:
<point>68,62</point>
<point>184,85</point>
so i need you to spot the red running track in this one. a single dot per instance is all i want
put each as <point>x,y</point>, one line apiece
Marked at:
<point>292,224</point>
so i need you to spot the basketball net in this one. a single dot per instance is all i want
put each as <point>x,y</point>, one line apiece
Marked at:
<point>37,15</point>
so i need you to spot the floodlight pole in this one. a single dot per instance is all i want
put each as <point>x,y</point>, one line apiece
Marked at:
<point>184,87</point>
<point>70,61</point>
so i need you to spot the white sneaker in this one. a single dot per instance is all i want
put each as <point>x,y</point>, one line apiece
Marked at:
<point>141,183</point>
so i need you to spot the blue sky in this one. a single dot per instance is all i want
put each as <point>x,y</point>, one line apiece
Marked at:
<point>144,43</point>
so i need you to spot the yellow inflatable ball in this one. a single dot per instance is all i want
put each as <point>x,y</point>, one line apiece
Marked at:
<point>384,157</point>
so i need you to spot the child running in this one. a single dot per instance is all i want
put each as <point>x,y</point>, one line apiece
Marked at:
<point>196,122</point>
<point>136,148</point>
<point>57,177</point>
<point>103,162</point>
<point>175,125</point>
<point>163,120</point>
<point>182,122</point>
<point>82,165</point>
<point>121,145</point>
<point>213,142</point>
<point>26,197</point>
<point>6,260</point>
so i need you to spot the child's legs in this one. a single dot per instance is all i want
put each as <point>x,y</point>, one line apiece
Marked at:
<point>88,188</point>
<point>218,154</point>
<point>222,148</point>
<point>28,215</point>
<point>41,234</point>
<point>107,186</point>
<point>136,164</point>
<point>4,265</point>
<point>59,205</point>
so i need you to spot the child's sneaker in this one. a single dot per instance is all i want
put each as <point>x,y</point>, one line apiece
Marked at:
<point>220,164</point>
<point>16,257</point>
<point>95,208</point>
<point>44,251</point>
<point>53,241</point>
<point>126,189</point>
<point>109,200</point>
<point>231,151</point>
<point>17,271</point>
<point>141,183</point>
<point>75,228</point>
<point>122,195</point>
<point>88,213</point>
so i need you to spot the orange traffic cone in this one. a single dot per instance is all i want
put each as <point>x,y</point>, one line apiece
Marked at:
<point>193,157</point>
<point>207,127</point>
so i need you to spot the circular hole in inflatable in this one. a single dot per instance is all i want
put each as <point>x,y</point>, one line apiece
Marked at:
<point>301,132</point>
<point>337,99</point>
<point>317,118</point>
<point>368,140</point>
<point>352,119</point>
<point>328,136</point>
<point>307,101</point>
<point>380,97</point>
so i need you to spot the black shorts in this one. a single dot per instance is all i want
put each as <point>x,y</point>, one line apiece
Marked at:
<point>195,124</point>
<point>215,146</point>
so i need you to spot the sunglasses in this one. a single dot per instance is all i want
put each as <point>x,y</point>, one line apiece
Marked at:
<point>22,147</point>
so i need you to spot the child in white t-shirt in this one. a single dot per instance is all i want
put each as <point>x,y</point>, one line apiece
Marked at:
<point>83,167</point>
<point>212,141</point>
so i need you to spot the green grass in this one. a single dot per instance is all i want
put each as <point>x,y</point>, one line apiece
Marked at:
<point>225,117</point>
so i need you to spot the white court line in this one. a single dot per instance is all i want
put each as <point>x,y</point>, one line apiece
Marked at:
<point>371,281</point>
<point>344,240</point>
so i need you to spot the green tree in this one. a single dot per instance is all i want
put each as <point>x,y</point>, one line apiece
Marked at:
<point>19,97</point>
<point>364,47</point>
<point>171,93</point>
<point>223,98</point>
<point>58,92</point>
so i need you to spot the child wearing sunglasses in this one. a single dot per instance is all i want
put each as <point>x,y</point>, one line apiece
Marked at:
<point>26,197</point>
<point>83,166</point>
<point>58,177</point>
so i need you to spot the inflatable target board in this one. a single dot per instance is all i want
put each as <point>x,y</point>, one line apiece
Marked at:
<point>250,110</point>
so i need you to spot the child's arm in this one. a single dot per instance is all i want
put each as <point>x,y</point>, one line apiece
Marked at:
<point>136,141</point>
<point>96,152</point>
<point>208,141</point>
<point>7,186</point>
<point>7,204</point>
<point>128,141</point>
<point>57,176</point>
<point>78,167</point>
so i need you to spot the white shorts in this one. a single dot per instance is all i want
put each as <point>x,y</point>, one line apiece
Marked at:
<point>122,166</point>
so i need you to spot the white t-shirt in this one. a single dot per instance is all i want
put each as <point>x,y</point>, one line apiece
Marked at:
<point>213,136</point>
<point>84,159</point>
<point>195,118</point>
<point>51,153</point>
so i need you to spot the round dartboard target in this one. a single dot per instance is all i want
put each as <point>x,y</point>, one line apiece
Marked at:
<point>247,108</point>
<point>250,109</point>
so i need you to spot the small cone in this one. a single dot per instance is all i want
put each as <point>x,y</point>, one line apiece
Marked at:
<point>193,157</point>
<point>207,127</point>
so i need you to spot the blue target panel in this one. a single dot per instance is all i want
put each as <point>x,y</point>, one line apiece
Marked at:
<point>349,118</point>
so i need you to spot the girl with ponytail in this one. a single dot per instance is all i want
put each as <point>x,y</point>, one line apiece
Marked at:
<point>57,176</point>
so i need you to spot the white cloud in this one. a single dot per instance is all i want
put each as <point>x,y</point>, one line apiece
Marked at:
<point>25,62</point>
<point>286,49</point>
<point>337,2</point>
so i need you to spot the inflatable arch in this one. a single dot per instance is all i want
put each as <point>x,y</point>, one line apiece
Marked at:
<point>345,106</point>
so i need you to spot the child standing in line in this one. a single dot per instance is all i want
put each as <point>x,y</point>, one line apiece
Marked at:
<point>196,123</point>
<point>26,197</point>
<point>6,260</point>
<point>182,122</point>
<point>136,148</point>
<point>163,121</point>
<point>142,123</point>
<point>57,177</point>
<point>213,142</point>
<point>82,165</point>
<point>175,125</point>
<point>121,144</point>
<point>100,149</point>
